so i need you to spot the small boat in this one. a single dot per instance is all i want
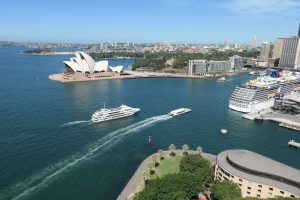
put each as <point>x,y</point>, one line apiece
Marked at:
<point>222,79</point>
<point>179,111</point>
<point>224,130</point>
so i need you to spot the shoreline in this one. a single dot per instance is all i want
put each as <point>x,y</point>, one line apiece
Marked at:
<point>129,190</point>
<point>77,76</point>
<point>50,53</point>
<point>283,120</point>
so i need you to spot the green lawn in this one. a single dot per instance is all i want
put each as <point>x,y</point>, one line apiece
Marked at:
<point>169,165</point>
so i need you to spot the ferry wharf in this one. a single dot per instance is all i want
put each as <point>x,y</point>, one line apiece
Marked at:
<point>293,143</point>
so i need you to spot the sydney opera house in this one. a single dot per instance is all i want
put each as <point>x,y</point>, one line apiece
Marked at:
<point>83,63</point>
<point>82,67</point>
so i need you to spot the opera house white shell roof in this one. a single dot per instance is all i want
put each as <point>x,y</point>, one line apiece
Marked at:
<point>83,63</point>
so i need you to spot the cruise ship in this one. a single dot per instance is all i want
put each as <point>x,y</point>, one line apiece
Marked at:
<point>105,114</point>
<point>259,94</point>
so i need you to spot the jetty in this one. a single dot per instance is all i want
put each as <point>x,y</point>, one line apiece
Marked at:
<point>284,120</point>
<point>293,143</point>
<point>290,126</point>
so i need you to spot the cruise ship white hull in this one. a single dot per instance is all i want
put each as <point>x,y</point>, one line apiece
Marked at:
<point>112,114</point>
<point>96,119</point>
<point>246,108</point>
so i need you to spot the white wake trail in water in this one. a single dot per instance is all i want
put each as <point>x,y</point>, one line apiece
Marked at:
<point>75,122</point>
<point>52,173</point>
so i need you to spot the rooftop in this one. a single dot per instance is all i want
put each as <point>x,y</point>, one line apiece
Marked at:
<point>257,168</point>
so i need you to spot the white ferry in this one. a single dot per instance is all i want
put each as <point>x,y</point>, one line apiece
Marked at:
<point>179,111</point>
<point>222,79</point>
<point>259,94</point>
<point>105,114</point>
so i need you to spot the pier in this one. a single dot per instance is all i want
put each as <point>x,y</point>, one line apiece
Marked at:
<point>293,143</point>
<point>290,126</point>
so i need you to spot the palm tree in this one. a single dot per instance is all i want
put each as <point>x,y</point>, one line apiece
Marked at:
<point>172,148</point>
<point>150,168</point>
<point>185,149</point>
<point>154,159</point>
<point>161,154</point>
<point>199,150</point>
<point>145,176</point>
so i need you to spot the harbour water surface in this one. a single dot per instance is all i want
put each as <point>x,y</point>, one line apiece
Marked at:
<point>49,149</point>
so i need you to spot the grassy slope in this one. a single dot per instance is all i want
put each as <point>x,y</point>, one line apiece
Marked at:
<point>169,165</point>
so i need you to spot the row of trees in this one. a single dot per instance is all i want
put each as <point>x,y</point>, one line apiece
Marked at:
<point>35,51</point>
<point>158,61</point>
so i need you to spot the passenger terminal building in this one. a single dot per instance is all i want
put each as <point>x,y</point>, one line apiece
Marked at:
<point>203,67</point>
<point>257,175</point>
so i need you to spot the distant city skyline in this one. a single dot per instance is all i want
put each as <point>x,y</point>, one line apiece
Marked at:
<point>176,21</point>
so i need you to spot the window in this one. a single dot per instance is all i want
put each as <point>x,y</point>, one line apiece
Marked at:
<point>271,189</point>
<point>248,192</point>
<point>260,186</point>
<point>240,180</point>
<point>292,196</point>
<point>232,176</point>
<point>249,188</point>
<point>282,192</point>
<point>259,191</point>
<point>258,195</point>
<point>240,185</point>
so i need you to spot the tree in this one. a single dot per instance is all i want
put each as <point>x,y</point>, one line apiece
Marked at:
<point>225,190</point>
<point>150,168</point>
<point>145,177</point>
<point>173,186</point>
<point>172,148</point>
<point>185,149</point>
<point>206,174</point>
<point>154,159</point>
<point>199,150</point>
<point>161,154</point>
<point>191,163</point>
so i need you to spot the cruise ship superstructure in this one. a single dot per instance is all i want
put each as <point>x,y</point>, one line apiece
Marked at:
<point>105,114</point>
<point>259,94</point>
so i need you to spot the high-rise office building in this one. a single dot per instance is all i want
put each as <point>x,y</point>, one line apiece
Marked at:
<point>278,48</point>
<point>290,56</point>
<point>254,42</point>
<point>299,31</point>
<point>265,51</point>
<point>225,43</point>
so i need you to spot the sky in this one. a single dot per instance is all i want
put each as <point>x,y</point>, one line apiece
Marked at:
<point>178,21</point>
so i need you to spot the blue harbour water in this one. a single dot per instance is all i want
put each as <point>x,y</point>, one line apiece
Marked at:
<point>50,150</point>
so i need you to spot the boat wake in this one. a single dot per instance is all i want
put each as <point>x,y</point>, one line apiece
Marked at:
<point>41,180</point>
<point>74,123</point>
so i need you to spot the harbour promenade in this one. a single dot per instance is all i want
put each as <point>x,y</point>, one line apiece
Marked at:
<point>75,77</point>
<point>129,190</point>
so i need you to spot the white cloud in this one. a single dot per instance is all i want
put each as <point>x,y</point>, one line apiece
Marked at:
<point>276,7</point>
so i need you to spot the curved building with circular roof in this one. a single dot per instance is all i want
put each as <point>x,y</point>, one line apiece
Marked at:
<point>257,175</point>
